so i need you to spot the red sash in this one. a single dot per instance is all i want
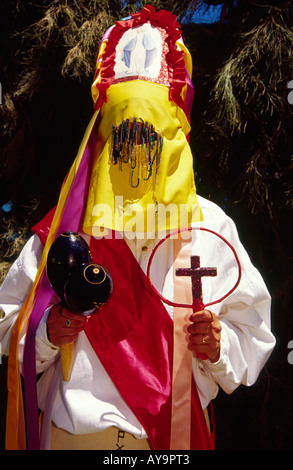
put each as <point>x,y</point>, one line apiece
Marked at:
<point>133,337</point>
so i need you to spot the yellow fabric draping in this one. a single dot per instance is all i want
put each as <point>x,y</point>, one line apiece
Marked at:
<point>167,200</point>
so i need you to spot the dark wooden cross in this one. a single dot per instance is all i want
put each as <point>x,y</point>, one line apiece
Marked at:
<point>196,273</point>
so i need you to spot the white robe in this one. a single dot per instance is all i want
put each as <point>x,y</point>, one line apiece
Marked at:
<point>89,401</point>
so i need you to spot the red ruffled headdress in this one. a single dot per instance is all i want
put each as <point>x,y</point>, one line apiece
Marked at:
<point>177,74</point>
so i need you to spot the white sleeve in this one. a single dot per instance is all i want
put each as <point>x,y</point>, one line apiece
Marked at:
<point>246,337</point>
<point>16,287</point>
<point>13,293</point>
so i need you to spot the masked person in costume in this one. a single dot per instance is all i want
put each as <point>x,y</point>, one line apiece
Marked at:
<point>134,162</point>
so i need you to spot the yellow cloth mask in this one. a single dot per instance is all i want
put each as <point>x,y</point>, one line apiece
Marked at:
<point>142,179</point>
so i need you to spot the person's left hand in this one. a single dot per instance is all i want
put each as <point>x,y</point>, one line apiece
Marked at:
<point>205,334</point>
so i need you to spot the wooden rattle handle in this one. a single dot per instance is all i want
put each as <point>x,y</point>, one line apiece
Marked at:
<point>66,360</point>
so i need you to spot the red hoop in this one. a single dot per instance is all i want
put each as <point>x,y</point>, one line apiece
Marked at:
<point>189,229</point>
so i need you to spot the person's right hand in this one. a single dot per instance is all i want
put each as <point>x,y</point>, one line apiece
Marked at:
<point>63,326</point>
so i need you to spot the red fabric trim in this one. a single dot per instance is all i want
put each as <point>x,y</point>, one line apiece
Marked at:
<point>175,58</point>
<point>42,228</point>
